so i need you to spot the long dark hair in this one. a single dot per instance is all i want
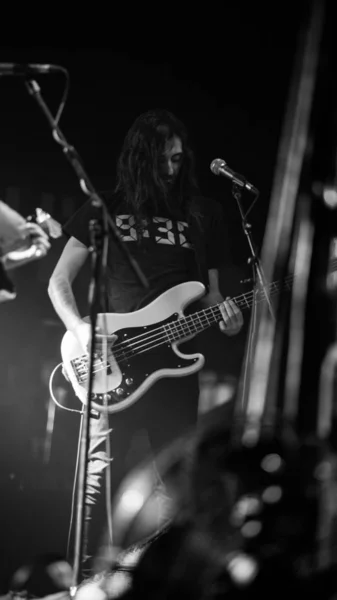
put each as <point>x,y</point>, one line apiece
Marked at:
<point>138,168</point>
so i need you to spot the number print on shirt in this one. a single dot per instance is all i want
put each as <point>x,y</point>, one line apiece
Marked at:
<point>160,230</point>
<point>128,231</point>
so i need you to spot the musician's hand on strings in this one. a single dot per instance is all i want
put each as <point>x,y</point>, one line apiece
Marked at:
<point>83,334</point>
<point>232,317</point>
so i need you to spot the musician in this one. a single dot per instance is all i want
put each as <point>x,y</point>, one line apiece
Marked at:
<point>176,235</point>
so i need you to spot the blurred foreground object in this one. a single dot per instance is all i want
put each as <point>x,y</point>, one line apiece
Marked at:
<point>22,241</point>
<point>47,575</point>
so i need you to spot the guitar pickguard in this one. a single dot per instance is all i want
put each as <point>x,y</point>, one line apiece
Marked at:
<point>140,356</point>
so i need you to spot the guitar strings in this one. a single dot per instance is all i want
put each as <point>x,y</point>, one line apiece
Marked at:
<point>144,342</point>
<point>241,301</point>
<point>245,300</point>
<point>159,336</point>
<point>201,316</point>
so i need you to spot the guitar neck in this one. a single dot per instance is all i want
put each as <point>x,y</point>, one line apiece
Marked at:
<point>206,317</point>
<point>203,319</point>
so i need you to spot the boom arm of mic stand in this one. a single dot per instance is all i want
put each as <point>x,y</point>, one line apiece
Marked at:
<point>84,181</point>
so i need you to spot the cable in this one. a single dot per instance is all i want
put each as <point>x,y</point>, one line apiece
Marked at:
<point>74,488</point>
<point>77,460</point>
<point>52,393</point>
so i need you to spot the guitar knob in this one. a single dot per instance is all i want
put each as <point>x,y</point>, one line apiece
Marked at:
<point>129,381</point>
<point>120,392</point>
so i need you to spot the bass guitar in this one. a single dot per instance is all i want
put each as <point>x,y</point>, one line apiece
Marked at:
<point>125,370</point>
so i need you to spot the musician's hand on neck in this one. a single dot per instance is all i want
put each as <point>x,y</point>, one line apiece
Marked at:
<point>232,318</point>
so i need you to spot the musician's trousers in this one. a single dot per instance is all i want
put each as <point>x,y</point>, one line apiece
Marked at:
<point>137,434</point>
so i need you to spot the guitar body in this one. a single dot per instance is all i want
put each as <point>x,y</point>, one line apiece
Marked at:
<point>145,351</point>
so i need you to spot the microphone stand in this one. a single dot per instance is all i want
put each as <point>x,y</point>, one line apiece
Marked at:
<point>99,241</point>
<point>253,260</point>
<point>258,276</point>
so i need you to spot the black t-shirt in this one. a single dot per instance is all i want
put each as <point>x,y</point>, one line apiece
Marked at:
<point>169,250</point>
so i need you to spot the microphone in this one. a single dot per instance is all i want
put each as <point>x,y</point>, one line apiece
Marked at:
<point>219,167</point>
<point>21,70</point>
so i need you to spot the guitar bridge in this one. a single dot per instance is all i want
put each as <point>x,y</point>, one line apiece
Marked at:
<point>81,367</point>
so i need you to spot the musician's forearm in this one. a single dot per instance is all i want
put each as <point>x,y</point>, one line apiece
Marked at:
<point>214,295</point>
<point>211,299</point>
<point>62,298</point>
